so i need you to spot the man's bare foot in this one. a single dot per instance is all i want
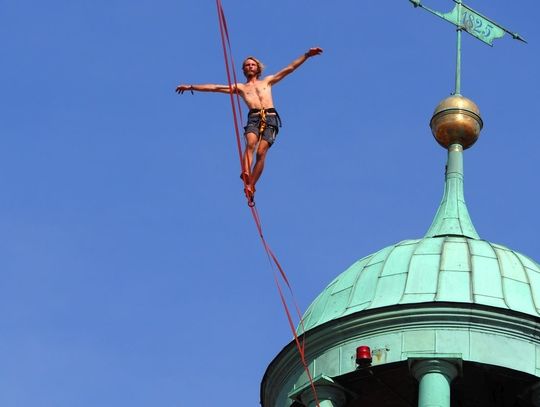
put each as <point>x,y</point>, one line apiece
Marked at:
<point>249,190</point>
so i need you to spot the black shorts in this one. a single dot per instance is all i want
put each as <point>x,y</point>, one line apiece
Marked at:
<point>272,126</point>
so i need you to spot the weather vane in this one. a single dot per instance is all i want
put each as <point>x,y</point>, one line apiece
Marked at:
<point>476,24</point>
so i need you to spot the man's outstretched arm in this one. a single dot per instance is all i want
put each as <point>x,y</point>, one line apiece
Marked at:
<point>294,64</point>
<point>208,87</point>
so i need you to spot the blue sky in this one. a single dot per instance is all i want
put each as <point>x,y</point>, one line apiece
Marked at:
<point>130,269</point>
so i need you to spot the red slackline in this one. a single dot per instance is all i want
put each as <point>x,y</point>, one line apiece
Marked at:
<point>237,112</point>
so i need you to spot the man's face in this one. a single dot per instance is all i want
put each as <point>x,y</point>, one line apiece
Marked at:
<point>250,68</point>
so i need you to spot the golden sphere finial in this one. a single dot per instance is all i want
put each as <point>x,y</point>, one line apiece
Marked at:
<point>456,120</point>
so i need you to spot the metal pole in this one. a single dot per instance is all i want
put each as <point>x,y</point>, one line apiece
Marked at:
<point>454,166</point>
<point>458,58</point>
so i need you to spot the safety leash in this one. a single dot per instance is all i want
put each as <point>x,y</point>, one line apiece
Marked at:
<point>262,125</point>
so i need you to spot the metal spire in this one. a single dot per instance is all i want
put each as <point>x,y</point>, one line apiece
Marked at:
<point>452,218</point>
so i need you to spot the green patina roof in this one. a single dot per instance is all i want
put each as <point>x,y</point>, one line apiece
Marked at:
<point>451,264</point>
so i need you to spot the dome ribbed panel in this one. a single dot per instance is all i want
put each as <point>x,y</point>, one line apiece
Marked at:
<point>516,285</point>
<point>533,275</point>
<point>528,263</point>
<point>486,279</point>
<point>391,283</point>
<point>366,283</point>
<point>443,268</point>
<point>454,282</point>
<point>314,315</point>
<point>423,275</point>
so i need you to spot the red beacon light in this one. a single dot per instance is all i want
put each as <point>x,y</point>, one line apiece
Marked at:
<point>363,356</point>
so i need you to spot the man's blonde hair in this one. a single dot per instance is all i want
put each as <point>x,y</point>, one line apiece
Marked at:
<point>259,65</point>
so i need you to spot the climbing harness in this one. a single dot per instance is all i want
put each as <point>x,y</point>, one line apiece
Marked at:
<point>299,339</point>
<point>263,118</point>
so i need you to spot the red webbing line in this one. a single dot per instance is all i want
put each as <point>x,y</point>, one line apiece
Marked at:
<point>269,251</point>
<point>272,256</point>
<point>224,20</point>
<point>223,23</point>
<point>301,347</point>
<point>222,29</point>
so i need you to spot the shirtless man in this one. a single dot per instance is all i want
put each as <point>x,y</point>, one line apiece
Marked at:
<point>263,120</point>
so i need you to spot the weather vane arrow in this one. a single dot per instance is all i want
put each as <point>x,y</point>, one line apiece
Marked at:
<point>476,24</point>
